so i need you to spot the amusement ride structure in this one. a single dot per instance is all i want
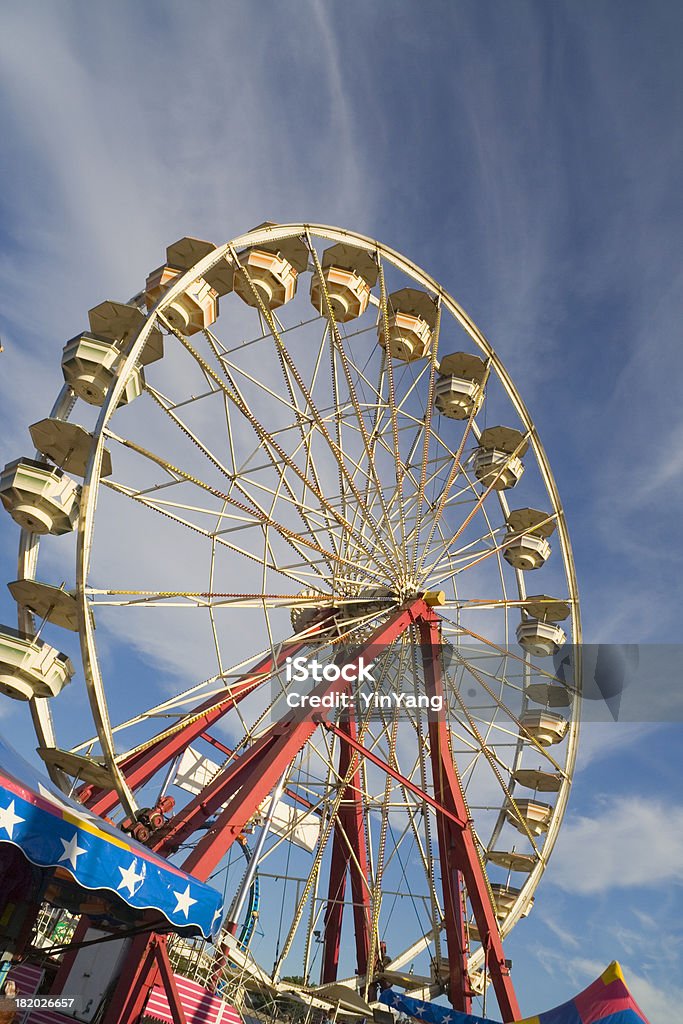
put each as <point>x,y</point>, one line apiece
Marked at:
<point>337,471</point>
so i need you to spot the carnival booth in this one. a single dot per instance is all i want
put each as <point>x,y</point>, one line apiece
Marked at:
<point>54,854</point>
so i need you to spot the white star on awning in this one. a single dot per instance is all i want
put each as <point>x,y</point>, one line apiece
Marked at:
<point>72,851</point>
<point>184,901</point>
<point>8,819</point>
<point>130,878</point>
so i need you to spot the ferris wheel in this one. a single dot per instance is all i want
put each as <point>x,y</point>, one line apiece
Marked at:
<point>336,471</point>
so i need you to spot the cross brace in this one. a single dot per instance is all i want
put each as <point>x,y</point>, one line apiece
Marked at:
<point>248,780</point>
<point>141,766</point>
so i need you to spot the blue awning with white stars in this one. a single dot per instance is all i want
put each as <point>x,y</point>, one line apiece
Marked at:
<point>53,831</point>
<point>431,1013</point>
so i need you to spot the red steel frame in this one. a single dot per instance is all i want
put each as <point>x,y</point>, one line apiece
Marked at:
<point>244,782</point>
<point>138,768</point>
<point>349,854</point>
<point>259,768</point>
<point>147,963</point>
<point>458,853</point>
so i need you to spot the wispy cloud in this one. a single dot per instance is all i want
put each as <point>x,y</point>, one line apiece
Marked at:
<point>625,843</point>
<point>662,997</point>
<point>132,146</point>
<point>599,741</point>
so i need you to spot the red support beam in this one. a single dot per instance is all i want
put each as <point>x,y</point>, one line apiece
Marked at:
<point>242,785</point>
<point>271,756</point>
<point>228,751</point>
<point>139,767</point>
<point>237,773</point>
<point>349,853</point>
<point>459,989</point>
<point>380,763</point>
<point>458,852</point>
<point>359,865</point>
<point>334,909</point>
<point>146,963</point>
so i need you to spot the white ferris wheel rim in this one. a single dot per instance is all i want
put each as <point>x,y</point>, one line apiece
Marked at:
<point>93,676</point>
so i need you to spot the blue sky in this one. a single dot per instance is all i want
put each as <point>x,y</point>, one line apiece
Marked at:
<point>527,155</point>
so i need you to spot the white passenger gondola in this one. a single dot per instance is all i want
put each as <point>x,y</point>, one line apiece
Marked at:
<point>533,814</point>
<point>459,388</point>
<point>498,459</point>
<point>538,632</point>
<point>538,780</point>
<point>411,319</point>
<point>31,668</point>
<point>193,310</point>
<point>67,445</point>
<point>53,604</point>
<point>511,860</point>
<point>89,365</point>
<point>120,322</point>
<point>348,274</point>
<point>546,727</point>
<point>39,497</point>
<point>270,269</point>
<point>526,546</point>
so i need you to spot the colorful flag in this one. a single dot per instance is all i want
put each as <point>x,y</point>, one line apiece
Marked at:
<point>430,1013</point>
